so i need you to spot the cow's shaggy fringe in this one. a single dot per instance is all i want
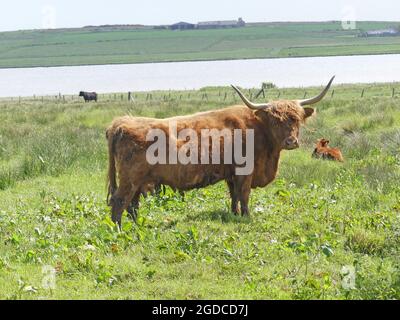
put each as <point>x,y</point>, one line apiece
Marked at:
<point>285,110</point>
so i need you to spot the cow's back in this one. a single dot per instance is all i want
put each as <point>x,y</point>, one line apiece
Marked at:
<point>127,140</point>
<point>138,127</point>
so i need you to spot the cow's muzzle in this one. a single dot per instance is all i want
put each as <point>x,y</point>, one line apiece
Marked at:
<point>291,143</point>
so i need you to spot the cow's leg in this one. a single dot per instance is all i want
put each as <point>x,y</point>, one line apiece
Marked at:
<point>242,189</point>
<point>121,199</point>
<point>244,197</point>
<point>234,197</point>
<point>134,206</point>
<point>158,189</point>
<point>180,192</point>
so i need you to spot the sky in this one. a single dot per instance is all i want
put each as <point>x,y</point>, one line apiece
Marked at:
<point>38,14</point>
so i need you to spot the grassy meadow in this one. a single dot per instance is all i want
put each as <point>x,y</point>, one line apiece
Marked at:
<point>118,45</point>
<point>317,219</point>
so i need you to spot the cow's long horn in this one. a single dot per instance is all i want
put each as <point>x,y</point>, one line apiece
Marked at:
<point>318,98</point>
<point>251,105</point>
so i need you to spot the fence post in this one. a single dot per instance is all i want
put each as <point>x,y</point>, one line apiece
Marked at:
<point>333,93</point>
<point>305,95</point>
<point>362,93</point>
<point>259,93</point>
<point>393,92</point>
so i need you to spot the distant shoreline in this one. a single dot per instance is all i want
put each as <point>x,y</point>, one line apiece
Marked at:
<point>199,60</point>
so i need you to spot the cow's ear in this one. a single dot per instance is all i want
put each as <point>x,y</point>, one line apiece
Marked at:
<point>308,112</point>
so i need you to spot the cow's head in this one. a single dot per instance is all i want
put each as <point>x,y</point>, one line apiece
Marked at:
<point>322,143</point>
<point>81,94</point>
<point>283,118</point>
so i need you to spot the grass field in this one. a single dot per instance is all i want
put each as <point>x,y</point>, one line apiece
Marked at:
<point>314,220</point>
<point>102,46</point>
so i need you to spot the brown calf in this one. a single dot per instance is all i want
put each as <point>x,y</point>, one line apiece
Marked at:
<point>322,151</point>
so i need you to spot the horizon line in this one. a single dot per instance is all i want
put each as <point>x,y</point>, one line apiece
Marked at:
<point>164,25</point>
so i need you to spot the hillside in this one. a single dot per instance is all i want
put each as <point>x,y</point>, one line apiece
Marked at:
<point>108,45</point>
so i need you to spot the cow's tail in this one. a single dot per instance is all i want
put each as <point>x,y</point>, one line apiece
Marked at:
<point>112,174</point>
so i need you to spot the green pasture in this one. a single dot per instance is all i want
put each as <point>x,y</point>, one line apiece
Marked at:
<point>316,222</point>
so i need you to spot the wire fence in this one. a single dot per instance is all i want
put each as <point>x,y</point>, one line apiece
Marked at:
<point>221,95</point>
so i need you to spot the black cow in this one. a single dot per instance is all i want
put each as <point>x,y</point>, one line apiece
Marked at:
<point>88,96</point>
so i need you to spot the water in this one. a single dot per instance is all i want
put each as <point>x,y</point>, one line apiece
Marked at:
<point>291,72</point>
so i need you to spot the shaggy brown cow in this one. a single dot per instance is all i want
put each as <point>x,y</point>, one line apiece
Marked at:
<point>275,127</point>
<point>322,151</point>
